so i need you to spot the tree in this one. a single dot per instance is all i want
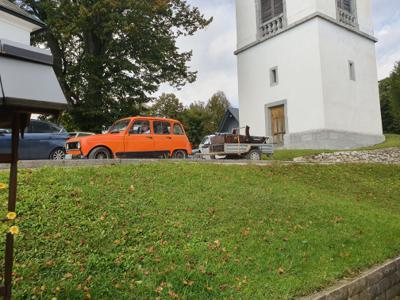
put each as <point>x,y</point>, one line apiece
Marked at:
<point>386,108</point>
<point>168,106</point>
<point>111,55</point>
<point>196,119</point>
<point>217,106</point>
<point>389,90</point>
<point>395,90</point>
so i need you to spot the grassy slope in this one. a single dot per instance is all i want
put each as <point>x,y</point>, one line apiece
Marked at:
<point>392,140</point>
<point>201,231</point>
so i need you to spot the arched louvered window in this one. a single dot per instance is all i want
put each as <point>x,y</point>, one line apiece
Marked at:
<point>271,9</point>
<point>347,5</point>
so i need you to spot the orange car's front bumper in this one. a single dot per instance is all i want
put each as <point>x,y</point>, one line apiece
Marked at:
<point>74,154</point>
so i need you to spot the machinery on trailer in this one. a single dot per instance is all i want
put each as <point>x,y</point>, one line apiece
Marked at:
<point>236,146</point>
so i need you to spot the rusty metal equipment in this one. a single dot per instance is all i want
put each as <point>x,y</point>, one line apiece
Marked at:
<point>239,146</point>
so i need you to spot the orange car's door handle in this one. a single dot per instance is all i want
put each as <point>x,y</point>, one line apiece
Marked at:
<point>168,137</point>
<point>150,137</point>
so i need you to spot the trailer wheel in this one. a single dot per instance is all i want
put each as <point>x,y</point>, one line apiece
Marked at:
<point>254,155</point>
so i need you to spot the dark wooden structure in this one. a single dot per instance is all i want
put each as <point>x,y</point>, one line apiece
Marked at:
<point>18,121</point>
<point>16,107</point>
<point>28,85</point>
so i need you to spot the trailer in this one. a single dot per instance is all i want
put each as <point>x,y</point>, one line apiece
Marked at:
<point>236,146</point>
<point>240,151</point>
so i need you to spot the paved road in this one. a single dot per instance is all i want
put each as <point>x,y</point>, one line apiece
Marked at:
<point>85,162</point>
<point>34,164</point>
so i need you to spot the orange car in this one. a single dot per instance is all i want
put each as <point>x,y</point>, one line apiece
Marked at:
<point>136,137</point>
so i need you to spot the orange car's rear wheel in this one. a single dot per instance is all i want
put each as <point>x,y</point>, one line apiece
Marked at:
<point>100,153</point>
<point>180,154</point>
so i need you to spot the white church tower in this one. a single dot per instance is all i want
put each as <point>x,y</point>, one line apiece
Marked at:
<point>307,72</point>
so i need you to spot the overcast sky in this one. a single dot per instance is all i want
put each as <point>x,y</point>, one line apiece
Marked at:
<point>216,65</point>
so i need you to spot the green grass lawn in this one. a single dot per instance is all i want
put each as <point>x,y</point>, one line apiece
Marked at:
<point>196,231</point>
<point>392,140</point>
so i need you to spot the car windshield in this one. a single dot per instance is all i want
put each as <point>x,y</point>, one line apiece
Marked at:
<point>205,141</point>
<point>119,126</point>
<point>37,126</point>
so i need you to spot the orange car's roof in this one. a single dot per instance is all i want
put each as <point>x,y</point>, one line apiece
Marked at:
<point>151,118</point>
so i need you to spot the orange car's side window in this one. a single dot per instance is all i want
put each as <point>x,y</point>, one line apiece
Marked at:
<point>178,130</point>
<point>140,127</point>
<point>163,128</point>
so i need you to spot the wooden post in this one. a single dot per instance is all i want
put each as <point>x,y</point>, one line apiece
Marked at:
<point>12,201</point>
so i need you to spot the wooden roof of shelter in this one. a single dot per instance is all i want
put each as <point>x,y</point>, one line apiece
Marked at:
<point>27,81</point>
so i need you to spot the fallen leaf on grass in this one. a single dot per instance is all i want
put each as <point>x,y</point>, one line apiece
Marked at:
<point>223,287</point>
<point>246,232</point>
<point>281,271</point>
<point>188,282</point>
<point>88,296</point>
<point>172,294</point>
<point>337,219</point>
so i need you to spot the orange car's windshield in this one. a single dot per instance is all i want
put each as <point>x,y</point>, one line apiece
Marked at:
<point>119,126</point>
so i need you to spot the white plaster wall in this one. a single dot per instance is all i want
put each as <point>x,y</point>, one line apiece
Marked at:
<point>364,13</point>
<point>299,9</point>
<point>349,105</point>
<point>327,7</point>
<point>296,10</point>
<point>296,54</point>
<point>15,29</point>
<point>246,22</point>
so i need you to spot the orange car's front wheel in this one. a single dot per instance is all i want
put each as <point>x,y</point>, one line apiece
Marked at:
<point>100,153</point>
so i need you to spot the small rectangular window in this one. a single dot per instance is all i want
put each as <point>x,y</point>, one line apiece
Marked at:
<point>274,79</point>
<point>352,71</point>
<point>270,9</point>
<point>346,5</point>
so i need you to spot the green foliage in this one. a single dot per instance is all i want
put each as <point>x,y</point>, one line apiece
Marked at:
<point>200,231</point>
<point>168,106</point>
<point>199,119</point>
<point>389,90</point>
<point>196,120</point>
<point>216,107</point>
<point>111,55</point>
<point>395,96</point>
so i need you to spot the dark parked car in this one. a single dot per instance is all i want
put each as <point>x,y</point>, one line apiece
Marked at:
<point>42,140</point>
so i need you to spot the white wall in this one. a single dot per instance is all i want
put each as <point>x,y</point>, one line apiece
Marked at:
<point>296,10</point>
<point>364,13</point>
<point>296,54</point>
<point>246,22</point>
<point>299,9</point>
<point>15,29</point>
<point>349,105</point>
<point>327,7</point>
